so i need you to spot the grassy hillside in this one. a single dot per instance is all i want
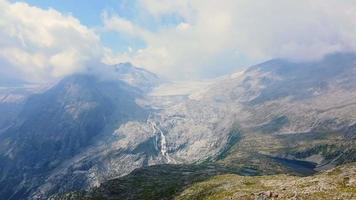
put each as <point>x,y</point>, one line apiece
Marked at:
<point>339,183</point>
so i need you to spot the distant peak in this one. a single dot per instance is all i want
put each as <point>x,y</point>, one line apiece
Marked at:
<point>135,76</point>
<point>128,67</point>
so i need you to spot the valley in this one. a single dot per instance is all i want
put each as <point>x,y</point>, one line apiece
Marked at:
<point>128,137</point>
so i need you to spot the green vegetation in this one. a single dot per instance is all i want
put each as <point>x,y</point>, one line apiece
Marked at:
<point>155,182</point>
<point>339,183</point>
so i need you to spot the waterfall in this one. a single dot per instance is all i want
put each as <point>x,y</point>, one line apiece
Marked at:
<point>162,141</point>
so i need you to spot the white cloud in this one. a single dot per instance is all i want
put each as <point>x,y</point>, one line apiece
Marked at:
<point>219,33</point>
<point>37,44</point>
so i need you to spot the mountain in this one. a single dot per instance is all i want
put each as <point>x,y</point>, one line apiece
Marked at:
<point>301,111</point>
<point>49,132</point>
<point>56,125</point>
<point>278,117</point>
<point>13,93</point>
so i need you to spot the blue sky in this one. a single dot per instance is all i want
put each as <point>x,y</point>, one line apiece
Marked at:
<point>178,39</point>
<point>90,14</point>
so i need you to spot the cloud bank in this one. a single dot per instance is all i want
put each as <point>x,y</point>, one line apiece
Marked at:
<point>183,39</point>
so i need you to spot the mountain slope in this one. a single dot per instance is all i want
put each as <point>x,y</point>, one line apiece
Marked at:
<point>264,103</point>
<point>56,125</point>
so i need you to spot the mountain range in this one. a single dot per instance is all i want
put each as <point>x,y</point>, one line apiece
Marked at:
<point>122,137</point>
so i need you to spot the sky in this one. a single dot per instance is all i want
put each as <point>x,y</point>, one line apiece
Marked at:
<point>180,40</point>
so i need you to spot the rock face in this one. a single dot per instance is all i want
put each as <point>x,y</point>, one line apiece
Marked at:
<point>278,116</point>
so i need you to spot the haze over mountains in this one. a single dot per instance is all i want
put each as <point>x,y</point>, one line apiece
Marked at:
<point>276,117</point>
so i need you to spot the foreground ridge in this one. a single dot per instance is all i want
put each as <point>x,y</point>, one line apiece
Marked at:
<point>337,183</point>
